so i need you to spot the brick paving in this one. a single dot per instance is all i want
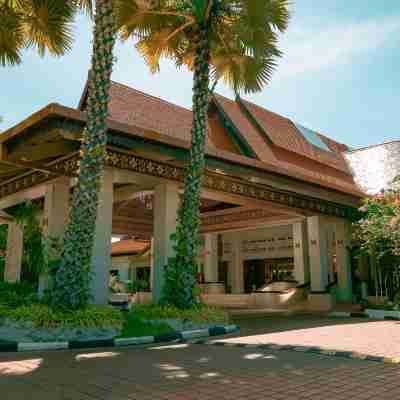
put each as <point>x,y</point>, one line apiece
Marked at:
<point>200,372</point>
<point>190,372</point>
<point>359,335</point>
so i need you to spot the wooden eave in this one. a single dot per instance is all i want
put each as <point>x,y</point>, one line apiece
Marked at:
<point>221,157</point>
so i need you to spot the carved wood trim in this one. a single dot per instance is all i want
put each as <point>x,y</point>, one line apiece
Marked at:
<point>68,166</point>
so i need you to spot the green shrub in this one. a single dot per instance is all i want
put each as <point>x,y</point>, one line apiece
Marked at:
<point>43,316</point>
<point>197,314</point>
<point>134,326</point>
<point>386,307</point>
<point>138,285</point>
<point>17,294</point>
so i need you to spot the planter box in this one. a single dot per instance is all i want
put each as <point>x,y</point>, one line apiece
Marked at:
<point>376,299</point>
<point>382,314</point>
<point>212,288</point>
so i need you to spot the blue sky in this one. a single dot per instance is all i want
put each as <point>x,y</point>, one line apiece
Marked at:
<point>339,73</point>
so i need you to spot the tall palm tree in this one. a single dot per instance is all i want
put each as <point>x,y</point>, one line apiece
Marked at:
<point>71,286</point>
<point>235,40</point>
<point>45,24</point>
<point>42,24</point>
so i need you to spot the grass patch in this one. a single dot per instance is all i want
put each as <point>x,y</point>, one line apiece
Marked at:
<point>200,314</point>
<point>43,316</point>
<point>134,326</point>
<point>384,307</point>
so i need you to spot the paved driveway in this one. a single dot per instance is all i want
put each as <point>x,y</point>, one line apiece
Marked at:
<point>202,372</point>
<point>190,372</point>
<point>375,338</point>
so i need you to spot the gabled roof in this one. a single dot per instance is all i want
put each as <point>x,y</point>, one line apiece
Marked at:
<point>282,132</point>
<point>133,107</point>
<point>129,247</point>
<point>273,142</point>
<point>257,127</point>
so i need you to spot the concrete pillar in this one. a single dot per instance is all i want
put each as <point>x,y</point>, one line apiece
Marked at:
<point>237,265</point>
<point>15,247</point>
<point>343,261</point>
<point>211,257</point>
<point>166,203</point>
<point>300,253</point>
<point>318,252</point>
<point>151,263</point>
<point>55,216</point>
<point>330,232</point>
<point>101,257</point>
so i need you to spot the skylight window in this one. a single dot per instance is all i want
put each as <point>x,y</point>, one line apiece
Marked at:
<point>312,137</point>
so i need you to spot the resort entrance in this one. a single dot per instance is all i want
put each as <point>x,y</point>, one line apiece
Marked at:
<point>267,204</point>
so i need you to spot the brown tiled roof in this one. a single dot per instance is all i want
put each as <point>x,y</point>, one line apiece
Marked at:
<point>284,133</point>
<point>138,114</point>
<point>133,107</point>
<point>246,128</point>
<point>129,246</point>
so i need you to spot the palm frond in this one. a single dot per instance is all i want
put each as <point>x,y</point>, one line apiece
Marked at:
<point>47,25</point>
<point>11,35</point>
<point>243,36</point>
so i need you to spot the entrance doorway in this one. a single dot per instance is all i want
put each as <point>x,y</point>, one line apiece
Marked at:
<point>254,275</point>
<point>257,273</point>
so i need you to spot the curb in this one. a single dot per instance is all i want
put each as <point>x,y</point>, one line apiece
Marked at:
<point>11,346</point>
<point>343,314</point>
<point>309,350</point>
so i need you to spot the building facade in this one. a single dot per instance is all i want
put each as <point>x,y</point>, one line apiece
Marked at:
<point>277,199</point>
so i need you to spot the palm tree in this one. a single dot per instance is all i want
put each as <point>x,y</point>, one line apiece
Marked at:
<point>45,24</point>
<point>42,24</point>
<point>235,40</point>
<point>71,286</point>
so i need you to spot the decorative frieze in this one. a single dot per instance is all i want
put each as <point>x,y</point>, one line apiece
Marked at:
<point>218,182</point>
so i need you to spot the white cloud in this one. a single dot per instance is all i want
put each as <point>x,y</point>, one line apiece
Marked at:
<point>309,49</point>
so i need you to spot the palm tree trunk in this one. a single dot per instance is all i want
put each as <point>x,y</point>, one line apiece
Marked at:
<point>188,222</point>
<point>71,286</point>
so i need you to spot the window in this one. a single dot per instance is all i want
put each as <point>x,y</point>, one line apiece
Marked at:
<point>312,137</point>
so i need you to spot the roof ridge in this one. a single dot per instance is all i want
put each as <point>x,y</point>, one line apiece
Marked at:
<point>265,109</point>
<point>152,97</point>
<point>293,122</point>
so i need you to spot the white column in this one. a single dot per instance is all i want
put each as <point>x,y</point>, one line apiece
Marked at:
<point>166,202</point>
<point>343,262</point>
<point>211,257</point>
<point>101,257</point>
<point>151,263</point>
<point>15,247</point>
<point>300,253</point>
<point>318,251</point>
<point>237,265</point>
<point>55,216</point>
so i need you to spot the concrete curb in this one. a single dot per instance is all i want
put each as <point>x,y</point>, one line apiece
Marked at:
<point>11,346</point>
<point>343,314</point>
<point>305,349</point>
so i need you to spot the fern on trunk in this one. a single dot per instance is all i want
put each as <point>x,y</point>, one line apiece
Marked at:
<point>180,280</point>
<point>71,286</point>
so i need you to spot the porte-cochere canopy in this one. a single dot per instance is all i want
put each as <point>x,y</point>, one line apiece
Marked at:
<point>265,175</point>
<point>251,152</point>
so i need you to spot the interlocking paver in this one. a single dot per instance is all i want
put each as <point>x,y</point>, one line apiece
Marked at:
<point>201,372</point>
<point>357,335</point>
<point>176,373</point>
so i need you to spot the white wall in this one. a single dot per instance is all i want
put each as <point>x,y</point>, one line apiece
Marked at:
<point>124,263</point>
<point>274,242</point>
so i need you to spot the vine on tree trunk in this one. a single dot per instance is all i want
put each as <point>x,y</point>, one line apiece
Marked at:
<point>71,286</point>
<point>180,272</point>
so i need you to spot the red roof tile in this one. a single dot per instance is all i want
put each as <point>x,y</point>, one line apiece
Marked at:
<point>283,133</point>
<point>129,246</point>
<point>275,140</point>
<point>246,128</point>
<point>131,106</point>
